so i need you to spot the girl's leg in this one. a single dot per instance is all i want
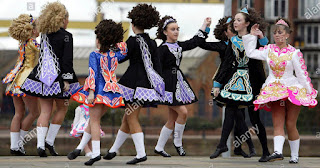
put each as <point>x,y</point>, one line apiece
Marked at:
<point>166,131</point>
<point>278,119</point>
<point>240,129</point>
<point>96,113</point>
<point>34,112</point>
<point>122,135</point>
<point>179,124</point>
<point>262,135</point>
<point>43,121</point>
<point>293,134</point>
<point>61,110</point>
<point>16,123</point>
<point>136,133</point>
<point>227,127</point>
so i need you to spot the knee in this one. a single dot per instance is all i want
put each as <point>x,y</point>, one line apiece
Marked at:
<point>183,114</point>
<point>170,124</point>
<point>19,115</point>
<point>291,125</point>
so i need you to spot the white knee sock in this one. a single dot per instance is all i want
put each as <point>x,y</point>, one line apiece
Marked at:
<point>95,149</point>
<point>14,139</point>
<point>278,143</point>
<point>41,134</point>
<point>138,140</point>
<point>52,133</point>
<point>120,139</point>
<point>84,141</point>
<point>163,138</point>
<point>178,133</point>
<point>294,146</point>
<point>22,135</point>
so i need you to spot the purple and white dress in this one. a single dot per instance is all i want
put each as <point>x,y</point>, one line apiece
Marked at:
<point>141,83</point>
<point>176,84</point>
<point>55,66</point>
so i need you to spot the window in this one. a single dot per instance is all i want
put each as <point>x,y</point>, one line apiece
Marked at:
<point>312,63</point>
<point>243,3</point>
<point>276,8</point>
<point>309,34</point>
<point>202,103</point>
<point>309,9</point>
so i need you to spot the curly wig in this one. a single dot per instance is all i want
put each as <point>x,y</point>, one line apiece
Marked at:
<point>109,33</point>
<point>289,29</point>
<point>52,17</point>
<point>221,28</point>
<point>21,28</point>
<point>144,16</point>
<point>160,34</point>
<point>254,17</point>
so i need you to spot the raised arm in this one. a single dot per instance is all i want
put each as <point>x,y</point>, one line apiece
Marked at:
<point>250,44</point>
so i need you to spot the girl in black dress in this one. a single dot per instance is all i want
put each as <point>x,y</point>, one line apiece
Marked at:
<point>141,84</point>
<point>181,94</point>
<point>53,79</point>
<point>224,32</point>
<point>240,81</point>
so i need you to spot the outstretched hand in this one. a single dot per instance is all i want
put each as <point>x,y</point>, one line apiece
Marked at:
<point>256,31</point>
<point>207,21</point>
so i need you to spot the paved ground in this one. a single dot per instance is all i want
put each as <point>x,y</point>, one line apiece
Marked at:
<point>154,162</point>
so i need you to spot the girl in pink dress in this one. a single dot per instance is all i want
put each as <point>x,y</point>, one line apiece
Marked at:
<point>283,92</point>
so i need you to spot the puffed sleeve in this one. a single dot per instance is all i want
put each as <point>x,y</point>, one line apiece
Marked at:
<point>67,59</point>
<point>90,82</point>
<point>301,72</point>
<point>194,42</point>
<point>250,44</point>
<point>123,51</point>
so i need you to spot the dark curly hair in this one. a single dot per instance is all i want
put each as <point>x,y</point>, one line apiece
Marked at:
<point>222,27</point>
<point>254,17</point>
<point>109,33</point>
<point>289,29</point>
<point>160,34</point>
<point>144,16</point>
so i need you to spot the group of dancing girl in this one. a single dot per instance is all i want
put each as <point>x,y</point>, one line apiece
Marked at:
<point>44,76</point>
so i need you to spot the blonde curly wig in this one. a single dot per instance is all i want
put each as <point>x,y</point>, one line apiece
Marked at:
<point>52,17</point>
<point>21,28</point>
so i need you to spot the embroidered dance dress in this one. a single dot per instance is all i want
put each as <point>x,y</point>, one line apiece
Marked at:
<point>221,47</point>
<point>102,78</point>
<point>55,66</point>
<point>241,77</point>
<point>142,82</point>
<point>28,58</point>
<point>81,121</point>
<point>282,83</point>
<point>176,83</point>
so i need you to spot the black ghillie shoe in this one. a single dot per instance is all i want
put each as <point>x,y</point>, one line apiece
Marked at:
<point>74,154</point>
<point>41,152</point>
<point>218,152</point>
<point>240,152</point>
<point>275,156</point>
<point>180,150</point>
<point>110,155</point>
<point>135,160</point>
<point>162,153</point>
<point>92,160</point>
<point>51,149</point>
